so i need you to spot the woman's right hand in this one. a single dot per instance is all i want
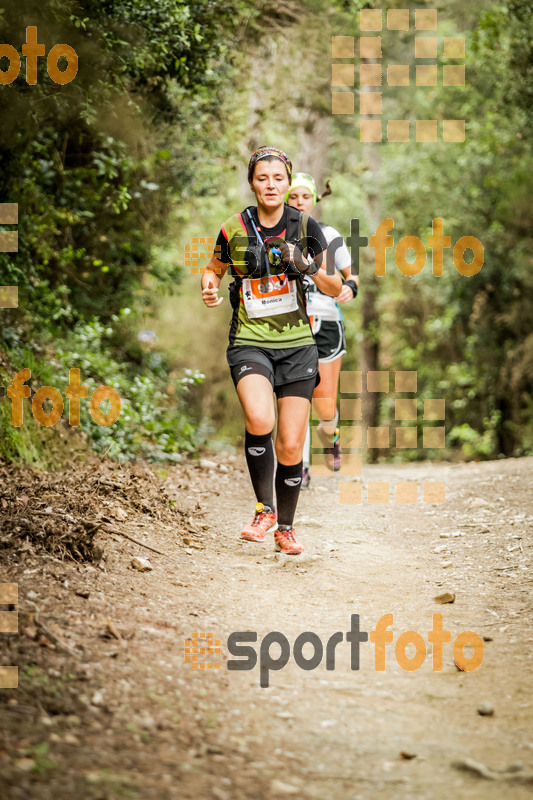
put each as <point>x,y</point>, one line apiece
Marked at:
<point>210,293</point>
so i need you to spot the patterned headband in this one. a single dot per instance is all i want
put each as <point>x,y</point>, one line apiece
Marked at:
<point>263,152</point>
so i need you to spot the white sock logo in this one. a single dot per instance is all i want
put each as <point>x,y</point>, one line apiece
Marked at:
<point>292,481</point>
<point>256,451</point>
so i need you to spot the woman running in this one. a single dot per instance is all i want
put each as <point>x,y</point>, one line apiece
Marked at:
<point>328,328</point>
<point>271,346</point>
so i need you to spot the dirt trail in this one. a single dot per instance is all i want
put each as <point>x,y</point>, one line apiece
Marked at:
<point>130,718</point>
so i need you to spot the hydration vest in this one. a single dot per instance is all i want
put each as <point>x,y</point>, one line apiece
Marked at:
<point>248,251</point>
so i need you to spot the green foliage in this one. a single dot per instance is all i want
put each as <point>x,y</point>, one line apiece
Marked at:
<point>470,338</point>
<point>153,422</point>
<point>97,164</point>
<point>19,445</point>
<point>472,443</point>
<point>96,167</point>
<point>111,170</point>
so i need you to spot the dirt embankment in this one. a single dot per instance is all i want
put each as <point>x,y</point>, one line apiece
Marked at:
<point>108,707</point>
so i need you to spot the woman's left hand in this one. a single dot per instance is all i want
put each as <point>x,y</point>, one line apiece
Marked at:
<point>345,296</point>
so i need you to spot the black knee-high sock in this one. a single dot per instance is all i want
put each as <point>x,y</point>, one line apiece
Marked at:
<point>288,484</point>
<point>260,460</point>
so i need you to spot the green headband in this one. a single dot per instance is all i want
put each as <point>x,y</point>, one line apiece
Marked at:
<point>305,180</point>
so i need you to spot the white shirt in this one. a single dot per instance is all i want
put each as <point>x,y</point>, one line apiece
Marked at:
<point>320,305</point>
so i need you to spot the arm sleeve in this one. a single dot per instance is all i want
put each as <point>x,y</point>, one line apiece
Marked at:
<point>222,249</point>
<point>315,241</point>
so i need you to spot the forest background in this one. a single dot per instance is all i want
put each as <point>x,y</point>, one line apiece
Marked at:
<point>147,147</point>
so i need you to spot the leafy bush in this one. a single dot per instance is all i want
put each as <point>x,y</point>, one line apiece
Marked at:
<point>474,445</point>
<point>153,422</point>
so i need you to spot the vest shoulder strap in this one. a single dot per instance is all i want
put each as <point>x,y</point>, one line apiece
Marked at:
<point>296,225</point>
<point>234,226</point>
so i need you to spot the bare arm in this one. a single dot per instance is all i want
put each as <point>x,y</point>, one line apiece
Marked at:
<point>214,272</point>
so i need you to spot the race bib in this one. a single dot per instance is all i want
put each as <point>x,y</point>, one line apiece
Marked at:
<point>265,297</point>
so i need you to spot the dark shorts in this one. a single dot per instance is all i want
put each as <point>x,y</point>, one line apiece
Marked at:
<point>330,339</point>
<point>292,371</point>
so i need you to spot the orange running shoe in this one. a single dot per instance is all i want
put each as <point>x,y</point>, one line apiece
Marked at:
<point>286,542</point>
<point>264,522</point>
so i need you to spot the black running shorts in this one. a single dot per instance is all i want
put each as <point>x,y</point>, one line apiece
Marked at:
<point>292,371</point>
<point>330,339</point>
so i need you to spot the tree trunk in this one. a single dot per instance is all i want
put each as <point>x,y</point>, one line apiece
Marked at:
<point>312,156</point>
<point>370,292</point>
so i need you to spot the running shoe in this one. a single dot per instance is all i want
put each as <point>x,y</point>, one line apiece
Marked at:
<point>306,478</point>
<point>334,453</point>
<point>286,542</point>
<point>264,521</point>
